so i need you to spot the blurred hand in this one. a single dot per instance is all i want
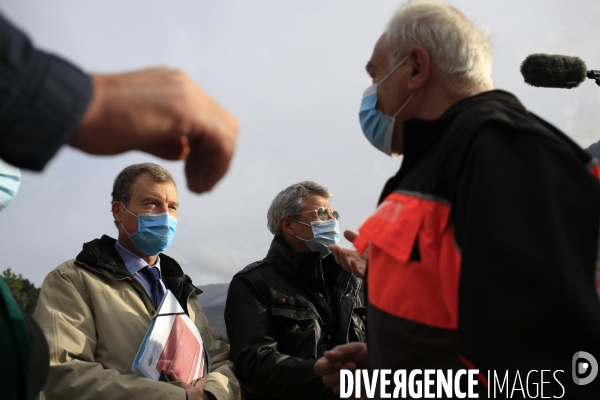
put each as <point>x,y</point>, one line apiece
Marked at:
<point>351,260</point>
<point>195,392</point>
<point>351,356</point>
<point>162,112</point>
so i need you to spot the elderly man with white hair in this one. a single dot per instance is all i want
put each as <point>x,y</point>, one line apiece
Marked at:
<point>285,311</point>
<point>483,252</point>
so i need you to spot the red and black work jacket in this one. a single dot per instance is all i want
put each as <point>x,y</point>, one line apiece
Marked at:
<point>484,249</point>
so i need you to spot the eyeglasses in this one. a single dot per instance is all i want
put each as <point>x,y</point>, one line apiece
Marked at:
<point>323,213</point>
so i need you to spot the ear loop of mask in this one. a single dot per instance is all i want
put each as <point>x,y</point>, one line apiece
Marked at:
<point>392,71</point>
<point>129,213</point>
<point>404,105</point>
<point>303,223</point>
<point>387,76</point>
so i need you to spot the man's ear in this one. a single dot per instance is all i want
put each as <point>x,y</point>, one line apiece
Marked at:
<point>285,224</point>
<point>117,209</point>
<point>420,62</point>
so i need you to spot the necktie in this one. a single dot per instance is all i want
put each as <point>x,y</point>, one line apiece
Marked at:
<point>153,277</point>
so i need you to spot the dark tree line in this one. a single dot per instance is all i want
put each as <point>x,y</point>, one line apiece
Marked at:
<point>24,292</point>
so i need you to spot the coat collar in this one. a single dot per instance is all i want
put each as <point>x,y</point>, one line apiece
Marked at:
<point>420,135</point>
<point>101,256</point>
<point>301,265</point>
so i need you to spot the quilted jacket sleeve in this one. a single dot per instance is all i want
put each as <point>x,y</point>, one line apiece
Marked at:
<point>42,99</point>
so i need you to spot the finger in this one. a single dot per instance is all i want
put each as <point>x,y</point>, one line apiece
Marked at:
<point>175,377</point>
<point>345,352</point>
<point>332,380</point>
<point>350,236</point>
<point>358,269</point>
<point>205,166</point>
<point>349,260</point>
<point>334,356</point>
<point>323,366</point>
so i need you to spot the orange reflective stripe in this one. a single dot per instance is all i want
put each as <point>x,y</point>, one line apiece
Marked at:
<point>424,290</point>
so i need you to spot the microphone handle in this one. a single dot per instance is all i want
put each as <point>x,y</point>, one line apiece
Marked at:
<point>594,74</point>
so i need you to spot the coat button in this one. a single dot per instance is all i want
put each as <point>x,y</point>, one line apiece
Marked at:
<point>329,337</point>
<point>319,296</point>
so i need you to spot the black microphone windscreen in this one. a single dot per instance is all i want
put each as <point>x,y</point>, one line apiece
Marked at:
<point>553,71</point>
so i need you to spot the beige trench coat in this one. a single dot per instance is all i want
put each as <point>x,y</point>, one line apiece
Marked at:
<point>94,326</point>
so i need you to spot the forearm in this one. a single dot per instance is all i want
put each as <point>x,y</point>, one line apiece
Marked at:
<point>90,381</point>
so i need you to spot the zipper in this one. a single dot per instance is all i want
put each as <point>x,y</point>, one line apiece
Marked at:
<point>328,301</point>
<point>352,308</point>
<point>340,303</point>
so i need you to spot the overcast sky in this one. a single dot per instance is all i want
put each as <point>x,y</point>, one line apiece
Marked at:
<point>292,72</point>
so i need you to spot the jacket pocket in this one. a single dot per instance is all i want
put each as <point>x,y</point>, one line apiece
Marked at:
<point>297,331</point>
<point>413,260</point>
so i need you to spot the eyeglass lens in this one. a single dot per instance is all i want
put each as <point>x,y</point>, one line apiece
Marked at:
<point>323,214</point>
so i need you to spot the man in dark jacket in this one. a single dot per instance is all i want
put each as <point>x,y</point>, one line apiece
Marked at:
<point>483,253</point>
<point>285,311</point>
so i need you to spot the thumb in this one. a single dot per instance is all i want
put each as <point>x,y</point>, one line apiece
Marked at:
<point>350,236</point>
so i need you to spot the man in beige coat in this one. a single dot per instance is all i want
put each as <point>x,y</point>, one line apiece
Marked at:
<point>95,310</point>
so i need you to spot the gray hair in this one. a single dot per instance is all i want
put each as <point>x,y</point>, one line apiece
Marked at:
<point>290,202</point>
<point>123,186</point>
<point>462,52</point>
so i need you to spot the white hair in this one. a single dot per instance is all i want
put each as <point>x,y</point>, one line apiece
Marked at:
<point>461,51</point>
<point>290,202</point>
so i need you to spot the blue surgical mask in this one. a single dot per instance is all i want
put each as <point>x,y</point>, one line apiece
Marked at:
<point>325,233</point>
<point>10,181</point>
<point>155,232</point>
<point>377,126</point>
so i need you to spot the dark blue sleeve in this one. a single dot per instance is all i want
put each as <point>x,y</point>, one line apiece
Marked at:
<point>42,100</point>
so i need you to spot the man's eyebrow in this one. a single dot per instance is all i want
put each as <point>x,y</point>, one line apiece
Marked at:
<point>151,197</point>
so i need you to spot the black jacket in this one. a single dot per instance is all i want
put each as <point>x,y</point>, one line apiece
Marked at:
<point>283,313</point>
<point>484,250</point>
